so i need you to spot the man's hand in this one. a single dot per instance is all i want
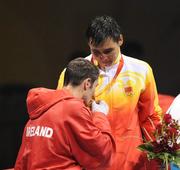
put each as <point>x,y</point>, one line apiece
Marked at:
<point>100,106</point>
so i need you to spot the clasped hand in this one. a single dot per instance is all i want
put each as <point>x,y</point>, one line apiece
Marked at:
<point>100,106</point>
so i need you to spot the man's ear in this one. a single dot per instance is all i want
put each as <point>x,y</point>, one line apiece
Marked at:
<point>120,41</point>
<point>90,41</point>
<point>87,83</point>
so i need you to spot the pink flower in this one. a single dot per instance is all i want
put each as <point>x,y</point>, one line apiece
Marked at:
<point>176,146</point>
<point>173,131</point>
<point>167,118</point>
<point>157,147</point>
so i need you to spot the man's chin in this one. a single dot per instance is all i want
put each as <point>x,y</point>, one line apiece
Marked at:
<point>107,64</point>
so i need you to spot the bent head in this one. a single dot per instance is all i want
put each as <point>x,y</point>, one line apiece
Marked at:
<point>82,75</point>
<point>104,39</point>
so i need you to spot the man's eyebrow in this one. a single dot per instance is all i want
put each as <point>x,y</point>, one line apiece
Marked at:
<point>95,50</point>
<point>108,49</point>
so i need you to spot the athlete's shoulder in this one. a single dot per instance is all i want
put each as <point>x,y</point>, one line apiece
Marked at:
<point>134,60</point>
<point>89,57</point>
<point>136,63</point>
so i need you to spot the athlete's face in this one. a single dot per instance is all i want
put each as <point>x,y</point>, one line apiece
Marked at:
<point>106,52</point>
<point>89,92</point>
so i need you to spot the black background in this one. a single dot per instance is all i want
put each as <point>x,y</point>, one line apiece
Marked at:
<point>38,38</point>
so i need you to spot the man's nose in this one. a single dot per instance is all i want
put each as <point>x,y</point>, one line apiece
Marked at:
<point>103,57</point>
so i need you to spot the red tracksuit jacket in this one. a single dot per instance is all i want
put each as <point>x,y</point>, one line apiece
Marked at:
<point>63,133</point>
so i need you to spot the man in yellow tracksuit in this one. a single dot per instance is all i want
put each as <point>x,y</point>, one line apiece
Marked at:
<point>128,86</point>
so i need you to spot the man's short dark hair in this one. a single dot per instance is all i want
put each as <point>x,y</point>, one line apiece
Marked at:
<point>78,70</point>
<point>101,28</point>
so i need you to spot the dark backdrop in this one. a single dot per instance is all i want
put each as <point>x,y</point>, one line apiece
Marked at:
<point>38,38</point>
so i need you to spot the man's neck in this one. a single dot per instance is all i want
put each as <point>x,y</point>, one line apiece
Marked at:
<point>74,91</point>
<point>114,63</point>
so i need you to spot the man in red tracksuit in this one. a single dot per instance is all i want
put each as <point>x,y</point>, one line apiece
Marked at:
<point>62,132</point>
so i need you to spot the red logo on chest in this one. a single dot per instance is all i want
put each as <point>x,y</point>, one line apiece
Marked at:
<point>128,90</point>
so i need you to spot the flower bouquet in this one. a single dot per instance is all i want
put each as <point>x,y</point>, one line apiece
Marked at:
<point>166,146</point>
